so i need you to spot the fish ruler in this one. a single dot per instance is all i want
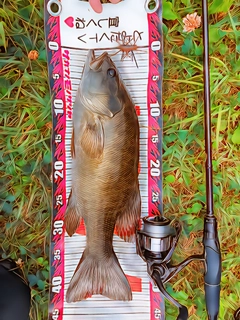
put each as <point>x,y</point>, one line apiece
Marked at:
<point>72,28</point>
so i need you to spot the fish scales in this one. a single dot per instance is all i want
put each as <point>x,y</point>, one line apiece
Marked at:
<point>105,188</point>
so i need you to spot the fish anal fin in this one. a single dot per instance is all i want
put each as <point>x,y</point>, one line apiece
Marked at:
<point>92,140</point>
<point>72,216</point>
<point>128,221</point>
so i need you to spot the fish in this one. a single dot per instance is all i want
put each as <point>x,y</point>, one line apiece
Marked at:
<point>105,187</point>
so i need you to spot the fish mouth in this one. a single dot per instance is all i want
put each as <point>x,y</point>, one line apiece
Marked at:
<point>94,63</point>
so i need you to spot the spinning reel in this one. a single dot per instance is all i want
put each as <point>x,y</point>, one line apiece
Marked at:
<point>156,241</point>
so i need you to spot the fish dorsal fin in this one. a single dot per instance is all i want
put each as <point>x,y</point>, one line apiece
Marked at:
<point>106,105</point>
<point>92,140</point>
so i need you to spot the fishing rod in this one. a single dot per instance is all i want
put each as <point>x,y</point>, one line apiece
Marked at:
<point>211,244</point>
<point>158,236</point>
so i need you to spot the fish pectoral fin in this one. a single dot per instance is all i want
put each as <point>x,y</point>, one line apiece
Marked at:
<point>107,105</point>
<point>92,140</point>
<point>72,216</point>
<point>128,221</point>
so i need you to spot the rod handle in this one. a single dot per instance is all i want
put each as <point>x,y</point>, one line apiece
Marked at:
<point>212,275</point>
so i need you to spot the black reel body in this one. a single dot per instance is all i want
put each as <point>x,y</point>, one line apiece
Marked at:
<point>156,241</point>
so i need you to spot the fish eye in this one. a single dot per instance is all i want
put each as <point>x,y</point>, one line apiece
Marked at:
<point>111,72</point>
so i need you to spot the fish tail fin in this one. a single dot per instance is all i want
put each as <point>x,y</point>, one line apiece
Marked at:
<point>72,217</point>
<point>98,276</point>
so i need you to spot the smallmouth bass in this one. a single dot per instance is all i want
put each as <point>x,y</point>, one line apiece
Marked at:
<point>105,189</point>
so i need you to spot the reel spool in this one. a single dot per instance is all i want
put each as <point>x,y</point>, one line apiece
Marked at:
<point>156,237</point>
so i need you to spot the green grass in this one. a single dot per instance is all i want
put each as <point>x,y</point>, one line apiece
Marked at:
<point>184,191</point>
<point>25,129</point>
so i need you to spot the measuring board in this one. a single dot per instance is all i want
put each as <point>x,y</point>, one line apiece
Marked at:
<point>72,28</point>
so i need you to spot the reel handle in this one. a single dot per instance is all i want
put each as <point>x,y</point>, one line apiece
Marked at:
<point>183,311</point>
<point>212,275</point>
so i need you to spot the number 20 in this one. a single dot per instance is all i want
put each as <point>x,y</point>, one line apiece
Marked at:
<point>58,166</point>
<point>155,171</point>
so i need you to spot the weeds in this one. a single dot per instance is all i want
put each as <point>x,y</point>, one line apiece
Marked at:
<point>25,126</point>
<point>184,156</point>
